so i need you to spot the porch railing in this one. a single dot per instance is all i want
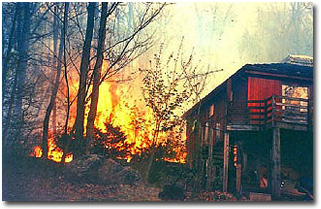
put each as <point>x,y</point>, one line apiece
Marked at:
<point>274,109</point>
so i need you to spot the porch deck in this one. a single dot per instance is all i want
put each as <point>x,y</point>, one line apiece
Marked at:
<point>275,111</point>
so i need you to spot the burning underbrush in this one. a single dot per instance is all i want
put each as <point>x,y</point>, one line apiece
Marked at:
<point>124,129</point>
<point>112,142</point>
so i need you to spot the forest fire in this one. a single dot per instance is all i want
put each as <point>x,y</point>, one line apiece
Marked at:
<point>119,108</point>
<point>137,123</point>
<point>54,152</point>
<point>37,152</point>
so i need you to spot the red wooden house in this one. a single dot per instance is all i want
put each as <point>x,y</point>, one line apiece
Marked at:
<point>255,129</point>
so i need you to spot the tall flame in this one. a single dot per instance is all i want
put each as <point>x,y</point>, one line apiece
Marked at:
<point>119,106</point>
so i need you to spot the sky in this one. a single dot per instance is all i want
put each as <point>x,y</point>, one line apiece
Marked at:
<point>229,35</point>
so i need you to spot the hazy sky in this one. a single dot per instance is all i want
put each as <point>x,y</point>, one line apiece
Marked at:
<point>228,35</point>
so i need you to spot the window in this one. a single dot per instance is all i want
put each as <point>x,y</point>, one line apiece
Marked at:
<point>294,92</point>
<point>206,133</point>
<point>211,112</point>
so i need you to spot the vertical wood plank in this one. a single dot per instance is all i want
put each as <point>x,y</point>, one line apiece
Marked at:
<point>276,164</point>
<point>210,158</point>
<point>226,160</point>
<point>229,90</point>
<point>238,177</point>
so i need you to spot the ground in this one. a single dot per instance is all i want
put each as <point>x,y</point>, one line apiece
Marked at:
<point>35,182</point>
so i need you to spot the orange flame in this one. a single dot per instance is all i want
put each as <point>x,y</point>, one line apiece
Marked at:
<point>37,152</point>
<point>55,153</point>
<point>117,104</point>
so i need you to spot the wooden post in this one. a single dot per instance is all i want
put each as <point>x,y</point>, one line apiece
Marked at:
<point>226,160</point>
<point>238,177</point>
<point>273,110</point>
<point>210,159</point>
<point>309,116</point>
<point>276,164</point>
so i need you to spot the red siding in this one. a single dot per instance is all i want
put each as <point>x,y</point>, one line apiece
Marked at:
<point>260,88</point>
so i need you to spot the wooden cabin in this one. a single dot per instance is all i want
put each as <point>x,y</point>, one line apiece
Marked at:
<point>254,130</point>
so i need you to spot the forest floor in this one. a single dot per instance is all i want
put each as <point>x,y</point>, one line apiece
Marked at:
<point>32,180</point>
<point>29,182</point>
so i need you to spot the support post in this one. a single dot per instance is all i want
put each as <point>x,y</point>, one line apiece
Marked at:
<point>276,164</point>
<point>226,160</point>
<point>210,159</point>
<point>238,178</point>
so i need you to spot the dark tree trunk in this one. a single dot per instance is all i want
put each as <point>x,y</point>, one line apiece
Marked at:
<point>79,123</point>
<point>65,26</point>
<point>7,56</point>
<point>15,38</point>
<point>97,76</point>
<point>53,97</point>
<point>55,43</point>
<point>23,48</point>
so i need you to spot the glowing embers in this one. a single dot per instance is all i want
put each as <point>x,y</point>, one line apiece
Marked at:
<point>54,152</point>
<point>36,152</point>
<point>235,152</point>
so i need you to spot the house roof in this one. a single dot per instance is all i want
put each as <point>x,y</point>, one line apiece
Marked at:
<point>281,69</point>
<point>299,60</point>
<point>285,69</point>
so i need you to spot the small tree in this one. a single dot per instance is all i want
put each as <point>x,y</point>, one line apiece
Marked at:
<point>166,88</point>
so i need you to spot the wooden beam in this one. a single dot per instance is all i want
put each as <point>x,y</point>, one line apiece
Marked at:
<point>292,126</point>
<point>226,160</point>
<point>279,75</point>
<point>276,164</point>
<point>238,127</point>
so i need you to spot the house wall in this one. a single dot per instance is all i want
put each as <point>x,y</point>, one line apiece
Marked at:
<point>205,142</point>
<point>262,88</point>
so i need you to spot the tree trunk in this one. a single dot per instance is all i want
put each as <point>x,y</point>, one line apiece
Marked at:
<point>79,123</point>
<point>65,26</point>
<point>52,98</point>
<point>55,43</point>
<point>97,75</point>
<point>7,57</point>
<point>23,48</point>
<point>8,117</point>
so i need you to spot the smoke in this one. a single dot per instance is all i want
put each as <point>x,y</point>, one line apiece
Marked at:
<point>229,35</point>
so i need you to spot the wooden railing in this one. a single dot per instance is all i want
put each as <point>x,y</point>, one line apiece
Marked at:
<point>271,110</point>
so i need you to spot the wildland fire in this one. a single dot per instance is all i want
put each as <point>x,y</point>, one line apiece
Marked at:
<point>110,101</point>
<point>116,108</point>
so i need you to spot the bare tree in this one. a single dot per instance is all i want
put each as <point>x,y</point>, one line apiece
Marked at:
<point>79,125</point>
<point>23,29</point>
<point>119,52</point>
<point>97,75</point>
<point>166,88</point>
<point>55,43</point>
<point>10,47</point>
<point>55,87</point>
